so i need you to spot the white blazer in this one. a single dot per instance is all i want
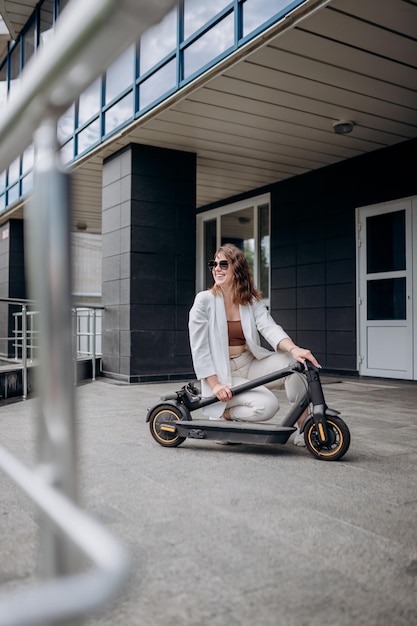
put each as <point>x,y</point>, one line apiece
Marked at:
<point>210,342</point>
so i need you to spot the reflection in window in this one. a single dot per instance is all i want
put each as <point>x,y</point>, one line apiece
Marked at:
<point>88,137</point>
<point>386,299</point>
<point>67,152</point>
<point>2,202</point>
<point>119,113</point>
<point>158,84</point>
<point>66,124</point>
<point>215,42</point>
<point>90,102</point>
<point>385,242</point>
<point>198,12</point>
<point>120,74</point>
<point>2,182</point>
<point>14,171</point>
<point>28,159</point>
<point>264,260</point>
<point>210,246</point>
<point>27,183</point>
<point>13,195</point>
<point>158,41</point>
<point>256,13</point>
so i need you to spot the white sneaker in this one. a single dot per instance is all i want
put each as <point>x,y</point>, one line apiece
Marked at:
<point>299,439</point>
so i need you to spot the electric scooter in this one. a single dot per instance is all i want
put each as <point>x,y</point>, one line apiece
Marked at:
<point>326,435</point>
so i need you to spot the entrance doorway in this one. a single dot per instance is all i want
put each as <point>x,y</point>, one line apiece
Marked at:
<point>245,224</point>
<point>386,237</point>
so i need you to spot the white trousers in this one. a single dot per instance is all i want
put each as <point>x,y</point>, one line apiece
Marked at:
<point>260,404</point>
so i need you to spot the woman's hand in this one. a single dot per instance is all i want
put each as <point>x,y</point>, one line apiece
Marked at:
<point>222,392</point>
<point>301,354</point>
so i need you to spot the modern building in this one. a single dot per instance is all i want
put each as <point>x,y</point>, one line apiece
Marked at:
<point>287,127</point>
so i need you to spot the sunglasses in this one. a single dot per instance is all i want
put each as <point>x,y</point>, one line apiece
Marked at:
<point>222,264</point>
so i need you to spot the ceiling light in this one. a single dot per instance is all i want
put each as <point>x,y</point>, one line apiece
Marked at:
<point>343,127</point>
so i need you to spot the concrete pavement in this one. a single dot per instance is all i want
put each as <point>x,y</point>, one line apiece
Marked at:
<point>240,535</point>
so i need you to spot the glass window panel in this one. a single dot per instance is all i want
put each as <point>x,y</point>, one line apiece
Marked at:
<point>120,74</point>
<point>216,41</point>
<point>28,159</point>
<point>2,182</point>
<point>14,63</point>
<point>89,136</point>
<point>14,171</point>
<point>158,41</point>
<point>237,228</point>
<point>3,87</point>
<point>209,249</point>
<point>13,195</point>
<point>256,13</point>
<point>119,113</point>
<point>29,43</point>
<point>90,102</point>
<point>46,21</point>
<point>27,183</point>
<point>158,84</point>
<point>386,299</point>
<point>2,202</point>
<point>199,12</point>
<point>264,249</point>
<point>67,152</point>
<point>66,125</point>
<point>385,242</point>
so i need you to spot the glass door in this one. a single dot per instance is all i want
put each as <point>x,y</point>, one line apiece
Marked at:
<point>246,225</point>
<point>385,290</point>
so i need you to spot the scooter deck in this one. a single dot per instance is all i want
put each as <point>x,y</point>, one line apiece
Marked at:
<point>234,432</point>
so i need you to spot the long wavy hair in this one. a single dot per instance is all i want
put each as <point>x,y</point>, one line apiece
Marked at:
<point>244,290</point>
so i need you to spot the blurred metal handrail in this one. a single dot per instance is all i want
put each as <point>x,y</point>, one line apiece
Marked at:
<point>87,38</point>
<point>54,599</point>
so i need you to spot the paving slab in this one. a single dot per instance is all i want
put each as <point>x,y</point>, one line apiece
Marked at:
<point>239,535</point>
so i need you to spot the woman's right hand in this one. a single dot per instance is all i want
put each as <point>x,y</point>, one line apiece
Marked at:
<point>222,392</point>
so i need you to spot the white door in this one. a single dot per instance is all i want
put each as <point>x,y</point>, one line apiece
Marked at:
<point>385,289</point>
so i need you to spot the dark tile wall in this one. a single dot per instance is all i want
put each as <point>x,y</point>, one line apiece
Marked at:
<point>313,247</point>
<point>148,263</point>
<point>12,279</point>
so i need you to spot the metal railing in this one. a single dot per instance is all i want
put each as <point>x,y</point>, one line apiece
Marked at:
<point>22,348</point>
<point>87,38</point>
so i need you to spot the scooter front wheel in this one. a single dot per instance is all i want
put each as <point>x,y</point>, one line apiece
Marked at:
<point>339,439</point>
<point>159,423</point>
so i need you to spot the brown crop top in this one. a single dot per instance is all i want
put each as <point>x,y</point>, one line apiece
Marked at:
<point>236,336</point>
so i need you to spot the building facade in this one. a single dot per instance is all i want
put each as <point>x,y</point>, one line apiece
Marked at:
<point>288,128</point>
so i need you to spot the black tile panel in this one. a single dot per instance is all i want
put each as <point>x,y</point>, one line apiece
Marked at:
<point>311,297</point>
<point>284,278</point>
<point>340,295</point>
<point>311,319</point>
<point>343,271</point>
<point>311,274</point>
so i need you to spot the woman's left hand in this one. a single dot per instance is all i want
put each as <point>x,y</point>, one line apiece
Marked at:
<point>301,354</point>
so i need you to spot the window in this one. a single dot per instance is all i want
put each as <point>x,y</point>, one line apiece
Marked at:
<point>209,46</point>
<point>198,12</point>
<point>158,42</point>
<point>120,75</point>
<point>246,224</point>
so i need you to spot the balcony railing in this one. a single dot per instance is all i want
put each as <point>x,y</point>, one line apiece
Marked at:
<point>21,349</point>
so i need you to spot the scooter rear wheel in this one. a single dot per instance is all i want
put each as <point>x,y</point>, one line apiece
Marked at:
<point>163,414</point>
<point>339,439</point>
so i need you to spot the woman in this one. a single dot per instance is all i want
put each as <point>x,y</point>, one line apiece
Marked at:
<point>225,325</point>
